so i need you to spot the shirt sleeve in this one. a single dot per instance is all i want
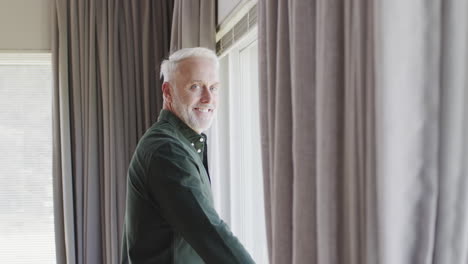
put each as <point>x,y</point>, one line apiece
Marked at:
<point>175,183</point>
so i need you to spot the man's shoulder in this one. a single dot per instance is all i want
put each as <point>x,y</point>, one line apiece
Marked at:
<point>161,138</point>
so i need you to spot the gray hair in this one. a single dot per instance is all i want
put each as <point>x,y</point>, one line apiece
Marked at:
<point>169,66</point>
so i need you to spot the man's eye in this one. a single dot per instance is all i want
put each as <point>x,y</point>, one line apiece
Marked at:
<point>194,86</point>
<point>214,88</point>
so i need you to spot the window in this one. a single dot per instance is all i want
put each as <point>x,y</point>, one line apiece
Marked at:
<point>26,208</point>
<point>235,155</point>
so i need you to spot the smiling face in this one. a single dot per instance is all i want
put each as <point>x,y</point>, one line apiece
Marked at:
<point>192,94</point>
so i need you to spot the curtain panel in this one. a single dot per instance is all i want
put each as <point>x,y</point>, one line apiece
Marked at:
<point>193,24</point>
<point>422,123</point>
<point>363,107</point>
<point>317,105</point>
<point>106,57</point>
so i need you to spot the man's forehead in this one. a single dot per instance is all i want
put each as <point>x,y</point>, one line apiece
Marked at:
<point>195,63</point>
<point>197,66</point>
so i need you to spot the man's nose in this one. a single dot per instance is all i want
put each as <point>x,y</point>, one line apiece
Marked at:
<point>206,96</point>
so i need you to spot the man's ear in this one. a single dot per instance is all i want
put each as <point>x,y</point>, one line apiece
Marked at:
<point>167,92</point>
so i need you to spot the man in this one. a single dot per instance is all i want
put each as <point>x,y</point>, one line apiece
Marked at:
<point>170,216</point>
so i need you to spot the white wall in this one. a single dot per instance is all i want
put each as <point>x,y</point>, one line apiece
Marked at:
<point>25,24</point>
<point>225,7</point>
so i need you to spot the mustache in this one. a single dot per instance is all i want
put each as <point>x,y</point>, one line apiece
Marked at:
<point>210,106</point>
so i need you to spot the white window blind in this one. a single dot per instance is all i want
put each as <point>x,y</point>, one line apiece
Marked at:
<point>26,208</point>
<point>235,157</point>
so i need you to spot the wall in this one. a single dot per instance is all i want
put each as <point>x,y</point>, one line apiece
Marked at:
<point>225,7</point>
<point>25,25</point>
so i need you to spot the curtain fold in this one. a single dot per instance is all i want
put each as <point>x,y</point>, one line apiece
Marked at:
<point>106,57</point>
<point>63,201</point>
<point>193,24</point>
<point>451,236</point>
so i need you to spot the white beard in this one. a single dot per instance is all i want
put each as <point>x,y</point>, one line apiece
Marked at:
<point>189,117</point>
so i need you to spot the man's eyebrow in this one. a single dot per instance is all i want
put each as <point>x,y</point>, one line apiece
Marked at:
<point>200,81</point>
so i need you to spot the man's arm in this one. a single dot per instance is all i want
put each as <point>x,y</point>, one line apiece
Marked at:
<point>175,184</point>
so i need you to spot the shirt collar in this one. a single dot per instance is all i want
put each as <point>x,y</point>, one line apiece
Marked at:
<point>186,131</point>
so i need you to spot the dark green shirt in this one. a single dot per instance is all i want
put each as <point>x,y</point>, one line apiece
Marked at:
<point>170,216</point>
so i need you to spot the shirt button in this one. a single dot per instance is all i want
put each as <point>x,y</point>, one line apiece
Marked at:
<point>199,150</point>
<point>202,139</point>
<point>193,144</point>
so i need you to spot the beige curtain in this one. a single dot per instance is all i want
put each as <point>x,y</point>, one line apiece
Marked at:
<point>193,24</point>
<point>364,120</point>
<point>317,107</point>
<point>106,57</point>
<point>422,123</point>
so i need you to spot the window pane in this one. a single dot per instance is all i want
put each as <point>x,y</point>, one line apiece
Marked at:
<point>235,152</point>
<point>248,218</point>
<point>26,209</point>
